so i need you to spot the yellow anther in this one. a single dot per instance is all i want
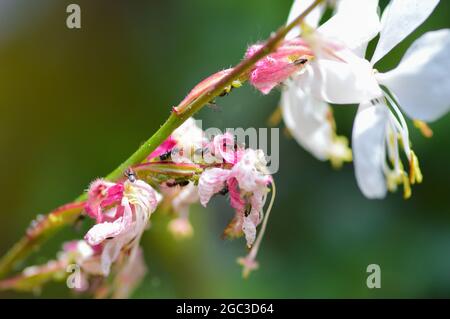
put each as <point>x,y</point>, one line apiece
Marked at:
<point>340,152</point>
<point>275,118</point>
<point>391,141</point>
<point>424,128</point>
<point>392,180</point>
<point>415,174</point>
<point>292,58</point>
<point>406,186</point>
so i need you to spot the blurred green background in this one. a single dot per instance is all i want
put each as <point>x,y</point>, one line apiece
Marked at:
<point>75,103</point>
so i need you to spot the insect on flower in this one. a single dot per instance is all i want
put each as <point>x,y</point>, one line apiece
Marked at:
<point>131,175</point>
<point>165,156</point>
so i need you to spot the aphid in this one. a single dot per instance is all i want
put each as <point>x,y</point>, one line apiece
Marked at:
<point>225,92</point>
<point>224,190</point>
<point>300,61</point>
<point>177,183</point>
<point>235,84</point>
<point>129,173</point>
<point>165,156</point>
<point>248,209</point>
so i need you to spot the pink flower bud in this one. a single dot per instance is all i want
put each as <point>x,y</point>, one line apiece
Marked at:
<point>278,66</point>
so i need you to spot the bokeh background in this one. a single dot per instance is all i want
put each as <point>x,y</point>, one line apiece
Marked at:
<point>75,103</point>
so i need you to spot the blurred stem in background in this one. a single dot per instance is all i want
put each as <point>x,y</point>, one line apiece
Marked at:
<point>54,221</point>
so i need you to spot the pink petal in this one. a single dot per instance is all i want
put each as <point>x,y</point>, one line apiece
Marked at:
<point>165,147</point>
<point>224,145</point>
<point>100,232</point>
<point>278,66</point>
<point>101,194</point>
<point>236,201</point>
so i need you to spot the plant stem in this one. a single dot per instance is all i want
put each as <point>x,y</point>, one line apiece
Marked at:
<point>26,245</point>
<point>37,233</point>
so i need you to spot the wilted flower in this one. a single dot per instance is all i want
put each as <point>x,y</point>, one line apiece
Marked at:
<point>126,222</point>
<point>247,182</point>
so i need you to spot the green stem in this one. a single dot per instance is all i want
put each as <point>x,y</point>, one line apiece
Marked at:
<point>38,233</point>
<point>26,245</point>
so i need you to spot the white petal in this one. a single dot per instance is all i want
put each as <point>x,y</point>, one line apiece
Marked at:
<point>98,233</point>
<point>399,20</point>
<point>312,19</point>
<point>110,253</point>
<point>306,119</point>
<point>189,135</point>
<point>368,137</point>
<point>211,182</point>
<point>249,229</point>
<point>146,196</point>
<point>130,275</point>
<point>350,81</point>
<point>355,23</point>
<point>421,82</point>
<point>249,171</point>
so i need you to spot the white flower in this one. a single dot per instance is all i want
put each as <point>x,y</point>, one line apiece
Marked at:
<point>334,69</point>
<point>421,86</point>
<point>341,75</point>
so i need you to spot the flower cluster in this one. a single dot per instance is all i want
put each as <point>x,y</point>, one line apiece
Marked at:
<point>334,69</point>
<point>185,169</point>
<point>226,169</point>
<point>317,66</point>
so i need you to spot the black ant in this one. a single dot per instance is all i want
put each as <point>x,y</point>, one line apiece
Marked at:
<point>300,61</point>
<point>129,173</point>
<point>165,156</point>
<point>248,209</point>
<point>177,183</point>
<point>224,190</point>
